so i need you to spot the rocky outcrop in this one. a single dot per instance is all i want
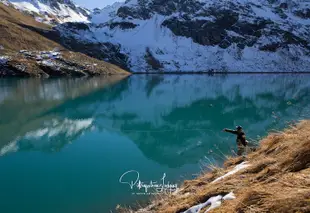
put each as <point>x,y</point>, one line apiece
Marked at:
<point>145,9</point>
<point>230,26</point>
<point>305,13</point>
<point>49,64</point>
<point>140,13</point>
<point>152,61</point>
<point>123,25</point>
<point>56,4</point>
<point>202,31</point>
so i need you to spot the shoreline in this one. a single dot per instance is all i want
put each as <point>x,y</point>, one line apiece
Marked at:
<point>212,73</point>
<point>274,178</point>
<point>128,74</point>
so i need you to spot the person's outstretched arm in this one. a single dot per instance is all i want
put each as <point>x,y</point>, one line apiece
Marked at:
<point>230,131</point>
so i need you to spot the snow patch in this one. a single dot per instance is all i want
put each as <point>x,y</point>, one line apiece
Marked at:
<point>233,34</point>
<point>107,13</point>
<point>4,59</point>
<point>67,127</point>
<point>266,13</point>
<point>63,12</point>
<point>50,135</point>
<point>5,2</point>
<point>214,203</point>
<point>238,168</point>
<point>9,148</point>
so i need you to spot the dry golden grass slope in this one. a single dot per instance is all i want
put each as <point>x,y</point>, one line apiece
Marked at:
<point>15,37</point>
<point>277,180</point>
<point>19,31</point>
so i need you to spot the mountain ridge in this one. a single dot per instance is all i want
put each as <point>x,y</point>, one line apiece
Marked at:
<point>51,11</point>
<point>243,35</point>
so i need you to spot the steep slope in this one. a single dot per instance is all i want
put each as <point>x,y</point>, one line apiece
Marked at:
<point>26,49</point>
<point>51,11</point>
<point>275,178</point>
<point>196,35</point>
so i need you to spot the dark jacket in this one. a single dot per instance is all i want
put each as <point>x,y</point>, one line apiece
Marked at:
<point>241,140</point>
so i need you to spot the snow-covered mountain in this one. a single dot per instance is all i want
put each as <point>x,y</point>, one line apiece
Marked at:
<point>105,14</point>
<point>199,35</point>
<point>51,11</point>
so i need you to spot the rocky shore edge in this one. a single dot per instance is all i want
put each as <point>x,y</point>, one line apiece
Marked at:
<point>54,63</point>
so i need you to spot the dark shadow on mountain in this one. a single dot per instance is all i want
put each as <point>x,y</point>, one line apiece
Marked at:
<point>102,51</point>
<point>53,35</point>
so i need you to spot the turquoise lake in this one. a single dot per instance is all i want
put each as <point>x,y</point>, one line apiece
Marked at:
<point>65,143</point>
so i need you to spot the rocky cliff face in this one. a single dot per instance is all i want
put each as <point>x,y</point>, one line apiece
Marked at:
<point>79,37</point>
<point>192,35</point>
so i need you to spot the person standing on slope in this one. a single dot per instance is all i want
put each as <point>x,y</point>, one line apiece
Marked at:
<point>241,139</point>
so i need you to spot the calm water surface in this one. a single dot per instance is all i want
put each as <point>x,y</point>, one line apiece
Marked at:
<point>65,143</point>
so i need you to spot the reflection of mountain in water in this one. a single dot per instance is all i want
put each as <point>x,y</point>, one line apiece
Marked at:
<point>175,120</point>
<point>25,102</point>
<point>179,119</point>
<point>52,137</point>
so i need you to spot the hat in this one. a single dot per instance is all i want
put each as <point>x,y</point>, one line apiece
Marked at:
<point>238,127</point>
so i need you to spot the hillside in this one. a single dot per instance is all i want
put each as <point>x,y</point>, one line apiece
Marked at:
<point>198,35</point>
<point>275,178</point>
<point>31,48</point>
